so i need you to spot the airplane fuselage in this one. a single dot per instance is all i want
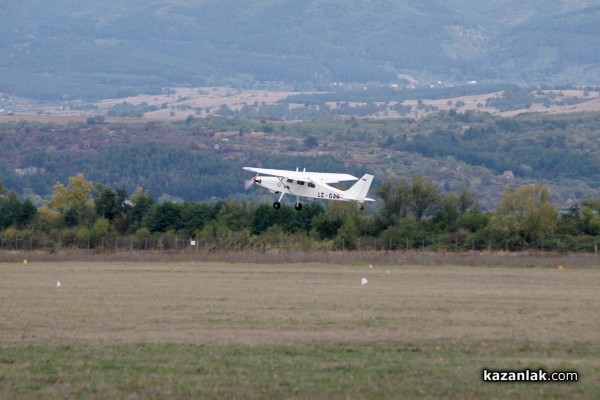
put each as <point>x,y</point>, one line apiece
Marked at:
<point>299,188</point>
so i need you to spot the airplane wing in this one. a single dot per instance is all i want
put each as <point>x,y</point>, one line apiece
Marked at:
<point>323,177</point>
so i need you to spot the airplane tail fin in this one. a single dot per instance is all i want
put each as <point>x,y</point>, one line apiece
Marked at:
<point>360,189</point>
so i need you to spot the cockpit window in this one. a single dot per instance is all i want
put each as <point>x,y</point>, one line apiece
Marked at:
<point>290,181</point>
<point>310,184</point>
<point>300,182</point>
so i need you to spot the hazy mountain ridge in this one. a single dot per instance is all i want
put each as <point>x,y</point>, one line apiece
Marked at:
<point>109,49</point>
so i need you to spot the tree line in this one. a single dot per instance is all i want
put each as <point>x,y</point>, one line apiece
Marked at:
<point>412,213</point>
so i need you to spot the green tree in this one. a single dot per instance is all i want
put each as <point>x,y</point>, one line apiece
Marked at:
<point>113,205</point>
<point>571,222</point>
<point>447,211</point>
<point>424,195</point>
<point>74,195</point>
<point>27,214</point>
<point>397,236</point>
<point>347,234</point>
<point>326,225</point>
<point>525,214</point>
<point>396,202</point>
<point>105,202</point>
<point>195,215</point>
<point>417,198</point>
<point>164,217</point>
<point>10,211</point>
<point>466,200</point>
<point>234,215</point>
<point>99,229</point>
<point>266,216</point>
<point>473,220</point>
<point>142,204</point>
<point>14,213</point>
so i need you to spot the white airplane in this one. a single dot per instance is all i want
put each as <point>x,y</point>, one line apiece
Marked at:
<point>313,185</point>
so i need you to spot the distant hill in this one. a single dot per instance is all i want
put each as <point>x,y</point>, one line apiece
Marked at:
<point>109,49</point>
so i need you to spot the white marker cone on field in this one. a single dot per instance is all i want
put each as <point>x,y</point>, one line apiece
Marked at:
<point>58,284</point>
<point>363,281</point>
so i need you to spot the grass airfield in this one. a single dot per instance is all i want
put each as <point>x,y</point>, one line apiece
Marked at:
<point>234,330</point>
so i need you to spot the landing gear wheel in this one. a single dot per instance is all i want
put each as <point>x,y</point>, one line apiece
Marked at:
<point>298,206</point>
<point>361,208</point>
<point>276,205</point>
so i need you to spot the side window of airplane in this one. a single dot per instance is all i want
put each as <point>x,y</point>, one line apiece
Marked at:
<point>300,182</point>
<point>310,184</point>
<point>290,181</point>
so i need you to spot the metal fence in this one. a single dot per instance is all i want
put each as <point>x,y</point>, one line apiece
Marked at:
<point>230,242</point>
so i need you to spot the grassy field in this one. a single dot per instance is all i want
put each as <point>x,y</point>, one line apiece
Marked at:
<point>233,330</point>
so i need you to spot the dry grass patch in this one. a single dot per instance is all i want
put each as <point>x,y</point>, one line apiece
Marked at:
<point>215,329</point>
<point>297,303</point>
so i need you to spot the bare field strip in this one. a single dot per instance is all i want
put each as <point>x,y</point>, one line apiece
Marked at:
<point>296,303</point>
<point>292,330</point>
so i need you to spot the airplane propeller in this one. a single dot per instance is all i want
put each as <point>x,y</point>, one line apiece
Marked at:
<point>249,182</point>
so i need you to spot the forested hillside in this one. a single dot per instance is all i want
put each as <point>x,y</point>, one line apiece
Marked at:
<point>201,158</point>
<point>90,49</point>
